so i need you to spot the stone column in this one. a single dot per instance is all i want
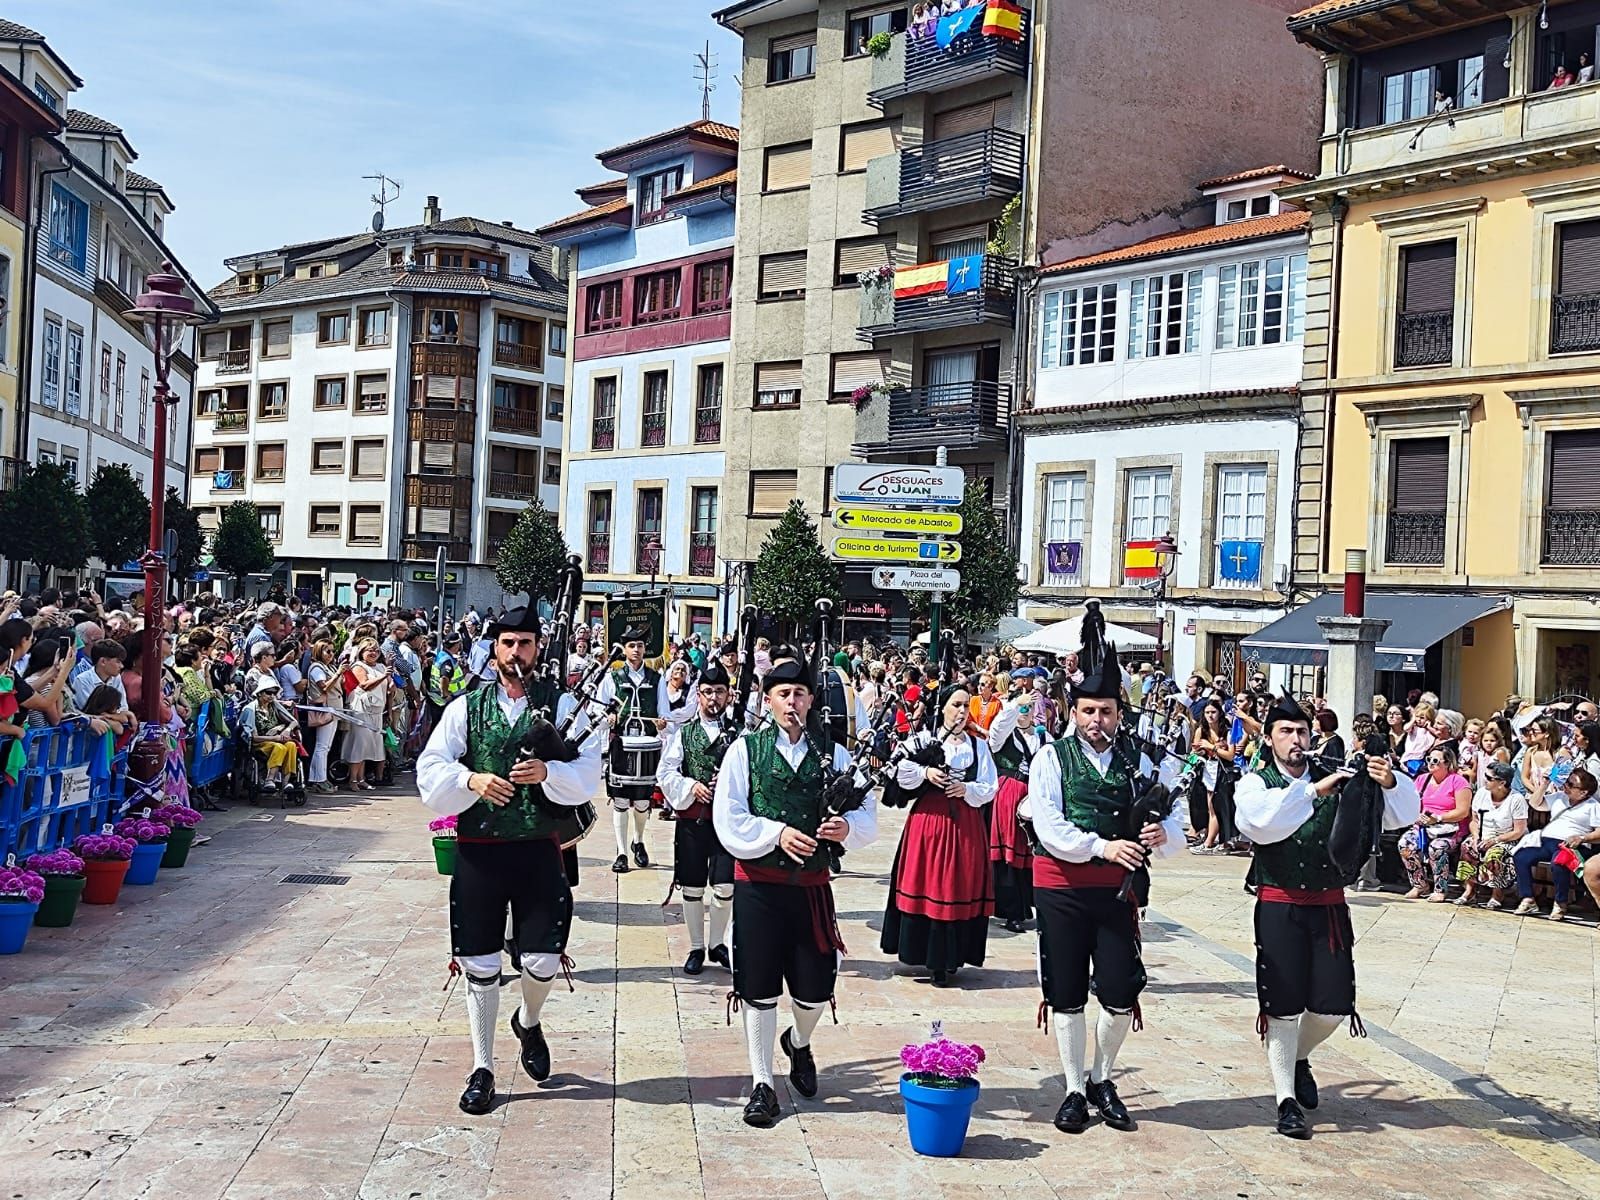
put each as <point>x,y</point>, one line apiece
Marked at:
<point>1352,647</point>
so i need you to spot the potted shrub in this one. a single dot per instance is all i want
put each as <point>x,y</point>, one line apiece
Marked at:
<point>939,1087</point>
<point>62,871</point>
<point>106,857</point>
<point>181,819</point>
<point>20,893</point>
<point>444,844</point>
<point>151,838</point>
<point>878,44</point>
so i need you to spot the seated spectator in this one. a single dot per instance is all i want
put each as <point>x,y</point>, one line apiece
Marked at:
<point>1499,822</point>
<point>1494,746</point>
<point>1574,825</point>
<point>1467,752</point>
<point>1447,729</point>
<point>1395,718</point>
<point>1426,848</point>
<point>1543,750</point>
<point>1586,747</point>
<point>273,731</point>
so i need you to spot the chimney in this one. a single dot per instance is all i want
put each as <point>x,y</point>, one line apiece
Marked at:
<point>508,224</point>
<point>430,211</point>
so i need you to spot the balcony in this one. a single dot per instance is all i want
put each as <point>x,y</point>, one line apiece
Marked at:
<point>703,554</point>
<point>647,551</point>
<point>1575,323</point>
<point>919,66</point>
<point>974,167</point>
<point>233,362</point>
<point>992,302</point>
<point>443,358</point>
<point>1424,339</point>
<point>232,420</point>
<point>603,436</point>
<point>511,485</point>
<point>516,354</point>
<point>957,415</point>
<point>707,426</point>
<point>426,426</point>
<point>438,491</point>
<point>1571,537</point>
<point>506,419</point>
<point>599,553</point>
<point>1415,539</point>
<point>654,430</point>
<point>11,472</point>
<point>426,547</point>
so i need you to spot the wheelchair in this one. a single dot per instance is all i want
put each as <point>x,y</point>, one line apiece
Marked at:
<point>250,776</point>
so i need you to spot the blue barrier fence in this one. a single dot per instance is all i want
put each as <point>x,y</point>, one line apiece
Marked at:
<point>210,754</point>
<point>72,782</point>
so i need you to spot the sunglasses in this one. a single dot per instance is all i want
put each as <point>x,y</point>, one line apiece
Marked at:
<point>1436,762</point>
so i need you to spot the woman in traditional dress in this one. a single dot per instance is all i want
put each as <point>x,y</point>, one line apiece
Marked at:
<point>1014,738</point>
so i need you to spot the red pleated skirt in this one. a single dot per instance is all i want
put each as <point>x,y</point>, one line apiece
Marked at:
<point>1007,842</point>
<point>942,870</point>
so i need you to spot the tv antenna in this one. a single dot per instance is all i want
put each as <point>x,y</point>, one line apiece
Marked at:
<point>705,73</point>
<point>382,198</point>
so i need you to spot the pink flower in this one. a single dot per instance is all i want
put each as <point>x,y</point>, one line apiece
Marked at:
<point>17,883</point>
<point>142,830</point>
<point>942,1059</point>
<point>444,826</point>
<point>178,816</point>
<point>104,847</point>
<point>57,862</point>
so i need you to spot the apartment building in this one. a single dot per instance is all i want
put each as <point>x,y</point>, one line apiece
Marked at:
<point>382,396</point>
<point>651,298</point>
<point>1452,355</point>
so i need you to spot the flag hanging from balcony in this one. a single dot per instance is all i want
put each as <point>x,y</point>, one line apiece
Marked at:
<point>1240,561</point>
<point>964,275</point>
<point>924,279</point>
<point>957,24</point>
<point>1063,558</point>
<point>1002,19</point>
<point>1139,559</point>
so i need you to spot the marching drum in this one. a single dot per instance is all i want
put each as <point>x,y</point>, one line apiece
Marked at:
<point>634,763</point>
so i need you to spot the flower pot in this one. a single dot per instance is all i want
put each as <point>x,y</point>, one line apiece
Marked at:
<point>146,862</point>
<point>103,879</point>
<point>937,1117</point>
<point>178,843</point>
<point>16,916</point>
<point>444,855</point>
<point>60,904</point>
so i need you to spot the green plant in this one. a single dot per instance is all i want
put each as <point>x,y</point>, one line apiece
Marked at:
<point>878,44</point>
<point>792,572</point>
<point>240,547</point>
<point>533,555</point>
<point>1007,230</point>
<point>988,567</point>
<point>43,520</point>
<point>119,515</point>
<point>188,540</point>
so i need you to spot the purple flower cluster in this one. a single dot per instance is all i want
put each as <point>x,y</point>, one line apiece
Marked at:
<point>19,884</point>
<point>142,831</point>
<point>443,827</point>
<point>178,816</point>
<point>104,847</point>
<point>57,862</point>
<point>942,1059</point>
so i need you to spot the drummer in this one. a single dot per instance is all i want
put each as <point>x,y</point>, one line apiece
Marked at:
<point>635,745</point>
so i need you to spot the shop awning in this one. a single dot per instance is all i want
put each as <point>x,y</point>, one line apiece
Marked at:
<point>1417,622</point>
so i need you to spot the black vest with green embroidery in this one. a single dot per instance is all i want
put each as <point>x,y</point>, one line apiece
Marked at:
<point>1011,757</point>
<point>623,683</point>
<point>698,762</point>
<point>1300,862</point>
<point>788,795</point>
<point>1096,803</point>
<point>493,745</point>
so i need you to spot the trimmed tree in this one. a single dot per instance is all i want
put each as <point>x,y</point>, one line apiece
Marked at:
<point>533,555</point>
<point>119,516</point>
<point>188,542</point>
<point>792,572</point>
<point>239,547</point>
<point>988,568</point>
<point>43,520</point>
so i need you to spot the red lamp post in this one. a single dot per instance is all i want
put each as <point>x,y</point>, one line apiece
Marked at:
<point>1166,552</point>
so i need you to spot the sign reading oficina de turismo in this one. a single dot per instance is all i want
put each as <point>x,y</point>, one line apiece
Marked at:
<point>888,484</point>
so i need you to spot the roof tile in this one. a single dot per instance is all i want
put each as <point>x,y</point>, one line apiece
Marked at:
<point>11,31</point>
<point>1289,221</point>
<point>1326,7</point>
<point>710,183</point>
<point>711,129</point>
<point>1252,173</point>
<point>79,121</point>
<point>588,214</point>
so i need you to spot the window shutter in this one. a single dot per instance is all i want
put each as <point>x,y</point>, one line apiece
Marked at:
<point>366,524</point>
<point>970,118</point>
<point>213,342</point>
<point>369,458</point>
<point>965,239</point>
<point>866,255</point>
<point>270,458</point>
<point>440,387</point>
<point>789,166</point>
<point>1574,469</point>
<point>793,42</point>
<point>863,143</point>
<point>277,337</point>
<point>207,460</point>
<point>783,273</point>
<point>441,455</point>
<point>778,377</point>
<point>1421,474</point>
<point>1580,258</point>
<point>209,519</point>
<point>433,520</point>
<point>771,491</point>
<point>851,371</point>
<point>330,456</point>
<point>1430,278</point>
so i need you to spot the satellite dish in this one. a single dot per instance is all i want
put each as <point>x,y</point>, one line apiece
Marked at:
<point>377,222</point>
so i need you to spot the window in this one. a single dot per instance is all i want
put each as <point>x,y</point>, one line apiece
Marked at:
<point>778,384</point>
<point>1164,315</point>
<point>1149,504</point>
<point>325,520</point>
<point>50,378</point>
<point>1419,485</point>
<point>787,167</point>
<point>1575,317</point>
<point>1242,504</point>
<point>47,95</point>
<point>73,404</point>
<point>854,256</point>
<point>374,327</point>
<point>144,403</point>
<point>862,25</point>
<point>269,461</point>
<point>653,422</point>
<point>658,296</point>
<point>852,371</point>
<point>366,458</point>
<point>328,456</point>
<point>555,403</point>
<point>69,463</point>
<point>603,432</point>
<point>1065,511</point>
<point>271,516</point>
<point>558,339</point>
<point>771,491</point>
<point>1572,499</point>
<point>44,452</point>
<point>708,404</point>
<point>209,402</point>
<point>793,57</point>
<point>330,393</point>
<point>225,465</point>
<point>275,339</point>
<point>959,242</point>
<point>69,229</point>
<point>366,524</point>
<point>602,306</point>
<point>1079,326</point>
<point>782,276</point>
<point>272,401</point>
<point>552,466</point>
<point>105,387</point>
<point>1255,206</point>
<point>703,532</point>
<point>1408,94</point>
<point>1425,329</point>
<point>372,393</point>
<point>1261,303</point>
<point>599,533</point>
<point>122,392</point>
<point>654,190</point>
<point>713,286</point>
<point>5,308</point>
<point>860,144</point>
<point>444,326</point>
<point>648,508</point>
<point>333,328</point>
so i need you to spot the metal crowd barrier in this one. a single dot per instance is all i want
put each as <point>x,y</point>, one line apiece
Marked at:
<point>72,782</point>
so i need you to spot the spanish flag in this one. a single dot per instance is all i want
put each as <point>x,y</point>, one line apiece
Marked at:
<point>924,279</point>
<point>1139,560</point>
<point>1002,19</point>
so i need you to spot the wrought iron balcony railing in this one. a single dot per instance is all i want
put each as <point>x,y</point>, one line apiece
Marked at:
<point>1575,323</point>
<point>654,431</point>
<point>947,414</point>
<point>1424,339</point>
<point>1415,539</point>
<point>1571,537</point>
<point>708,425</point>
<point>233,362</point>
<point>703,553</point>
<point>603,436</point>
<point>599,553</point>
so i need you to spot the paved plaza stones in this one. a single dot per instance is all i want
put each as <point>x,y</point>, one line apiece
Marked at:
<point>222,1034</point>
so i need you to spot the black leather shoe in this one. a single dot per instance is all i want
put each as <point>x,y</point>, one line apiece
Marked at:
<point>802,1065</point>
<point>479,1096</point>
<point>620,867</point>
<point>1073,1115</point>
<point>1015,926</point>
<point>1112,1110</point>
<point>762,1110</point>
<point>535,1050</point>
<point>695,963</point>
<point>1292,1122</point>
<point>940,979</point>
<point>1305,1084</point>
<point>641,857</point>
<point>719,955</point>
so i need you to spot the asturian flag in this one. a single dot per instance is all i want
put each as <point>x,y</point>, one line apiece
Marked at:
<point>1241,561</point>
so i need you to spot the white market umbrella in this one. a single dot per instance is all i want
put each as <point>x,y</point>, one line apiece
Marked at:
<point>1062,637</point>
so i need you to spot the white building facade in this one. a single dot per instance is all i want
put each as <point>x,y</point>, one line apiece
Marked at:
<point>1163,405</point>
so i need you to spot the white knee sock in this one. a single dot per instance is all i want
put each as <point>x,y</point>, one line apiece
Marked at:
<point>1072,1036</point>
<point>535,992</point>
<point>1315,1028</point>
<point>721,910</point>
<point>1283,1040</point>
<point>619,825</point>
<point>483,1007</point>
<point>806,1017</point>
<point>694,917</point>
<point>640,820</point>
<point>1109,1032</point>
<point>760,1031</point>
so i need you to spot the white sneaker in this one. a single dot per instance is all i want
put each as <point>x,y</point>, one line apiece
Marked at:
<point>1557,913</point>
<point>1525,908</point>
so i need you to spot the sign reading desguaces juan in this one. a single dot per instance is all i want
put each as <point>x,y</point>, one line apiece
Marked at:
<point>913,486</point>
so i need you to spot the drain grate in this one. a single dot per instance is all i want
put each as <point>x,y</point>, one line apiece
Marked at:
<point>333,879</point>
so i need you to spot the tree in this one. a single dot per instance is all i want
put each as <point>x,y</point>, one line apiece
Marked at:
<point>533,555</point>
<point>43,520</point>
<point>188,542</point>
<point>239,547</point>
<point>792,573</point>
<point>988,567</point>
<point>119,516</point>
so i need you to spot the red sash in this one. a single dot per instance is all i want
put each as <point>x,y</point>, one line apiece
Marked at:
<point>1051,872</point>
<point>1318,898</point>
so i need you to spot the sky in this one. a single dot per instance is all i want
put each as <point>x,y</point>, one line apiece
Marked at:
<point>260,117</point>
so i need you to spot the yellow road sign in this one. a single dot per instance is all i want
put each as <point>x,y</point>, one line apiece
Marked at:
<point>892,520</point>
<point>870,549</point>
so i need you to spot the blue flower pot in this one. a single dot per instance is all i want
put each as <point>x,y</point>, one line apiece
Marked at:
<point>937,1117</point>
<point>146,862</point>
<point>16,918</point>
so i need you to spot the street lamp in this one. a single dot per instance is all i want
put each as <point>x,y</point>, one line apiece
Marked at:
<point>1166,552</point>
<point>653,549</point>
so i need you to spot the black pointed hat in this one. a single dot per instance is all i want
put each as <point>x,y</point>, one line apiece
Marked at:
<point>1286,708</point>
<point>1097,659</point>
<point>515,620</point>
<point>632,634</point>
<point>787,671</point>
<point>715,675</point>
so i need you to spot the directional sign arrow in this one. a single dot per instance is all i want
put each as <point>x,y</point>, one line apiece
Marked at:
<point>896,521</point>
